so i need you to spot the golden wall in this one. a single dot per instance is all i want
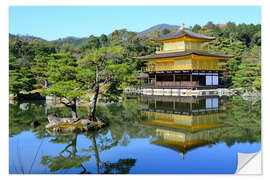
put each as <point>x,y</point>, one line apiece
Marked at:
<point>182,46</point>
<point>185,64</point>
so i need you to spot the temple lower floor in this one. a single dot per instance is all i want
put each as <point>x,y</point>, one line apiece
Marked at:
<point>182,80</point>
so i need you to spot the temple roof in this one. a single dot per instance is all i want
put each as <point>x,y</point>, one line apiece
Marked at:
<point>181,33</point>
<point>180,54</point>
<point>180,146</point>
<point>172,126</point>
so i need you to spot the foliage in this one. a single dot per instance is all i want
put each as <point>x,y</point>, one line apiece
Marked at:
<point>62,74</point>
<point>66,162</point>
<point>39,68</point>
<point>20,119</point>
<point>107,64</point>
<point>243,42</point>
<point>244,118</point>
<point>20,78</point>
<point>248,77</point>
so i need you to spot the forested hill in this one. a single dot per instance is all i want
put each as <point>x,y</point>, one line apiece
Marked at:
<point>76,41</point>
<point>159,27</point>
<point>70,40</point>
<point>67,40</point>
<point>25,37</point>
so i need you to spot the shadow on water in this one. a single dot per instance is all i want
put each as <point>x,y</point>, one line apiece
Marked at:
<point>180,124</point>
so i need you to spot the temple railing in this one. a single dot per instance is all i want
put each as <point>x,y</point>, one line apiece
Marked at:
<point>178,84</point>
<point>172,84</point>
<point>174,67</point>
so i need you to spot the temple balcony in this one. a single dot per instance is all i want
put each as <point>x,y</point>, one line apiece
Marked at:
<point>178,85</point>
<point>179,67</point>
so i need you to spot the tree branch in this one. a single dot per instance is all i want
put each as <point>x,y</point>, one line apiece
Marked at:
<point>66,104</point>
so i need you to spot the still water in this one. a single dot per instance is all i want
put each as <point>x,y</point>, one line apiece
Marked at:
<point>146,135</point>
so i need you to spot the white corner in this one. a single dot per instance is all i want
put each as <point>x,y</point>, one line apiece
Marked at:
<point>249,163</point>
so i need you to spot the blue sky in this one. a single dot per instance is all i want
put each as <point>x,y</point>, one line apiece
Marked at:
<point>53,22</point>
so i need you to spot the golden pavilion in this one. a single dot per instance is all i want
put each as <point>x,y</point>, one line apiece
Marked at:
<point>183,62</point>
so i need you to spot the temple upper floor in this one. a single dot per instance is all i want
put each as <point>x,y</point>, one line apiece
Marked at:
<point>183,40</point>
<point>182,46</point>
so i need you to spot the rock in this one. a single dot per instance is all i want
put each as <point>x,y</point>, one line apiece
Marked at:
<point>58,124</point>
<point>24,106</point>
<point>252,96</point>
<point>35,124</point>
<point>11,101</point>
<point>30,96</point>
<point>54,121</point>
<point>104,120</point>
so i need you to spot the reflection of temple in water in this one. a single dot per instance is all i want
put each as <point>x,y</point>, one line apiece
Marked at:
<point>183,123</point>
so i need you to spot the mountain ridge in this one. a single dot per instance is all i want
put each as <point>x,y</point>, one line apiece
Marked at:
<point>77,40</point>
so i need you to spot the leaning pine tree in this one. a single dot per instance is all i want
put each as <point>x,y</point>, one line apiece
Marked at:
<point>103,67</point>
<point>62,75</point>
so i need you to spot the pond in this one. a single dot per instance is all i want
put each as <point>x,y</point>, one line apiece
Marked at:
<point>146,135</point>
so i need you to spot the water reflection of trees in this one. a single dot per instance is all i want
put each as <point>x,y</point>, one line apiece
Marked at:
<point>22,115</point>
<point>70,160</point>
<point>245,120</point>
<point>69,157</point>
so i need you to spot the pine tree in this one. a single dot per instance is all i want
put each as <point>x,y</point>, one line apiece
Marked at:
<point>62,75</point>
<point>103,66</point>
<point>39,69</point>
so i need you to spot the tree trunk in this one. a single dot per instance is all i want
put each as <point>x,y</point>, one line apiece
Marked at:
<point>46,84</point>
<point>94,103</point>
<point>74,109</point>
<point>74,144</point>
<point>96,152</point>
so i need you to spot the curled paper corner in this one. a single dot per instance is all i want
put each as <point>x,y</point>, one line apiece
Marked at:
<point>249,163</point>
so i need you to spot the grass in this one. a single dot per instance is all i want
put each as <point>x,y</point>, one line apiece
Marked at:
<point>22,169</point>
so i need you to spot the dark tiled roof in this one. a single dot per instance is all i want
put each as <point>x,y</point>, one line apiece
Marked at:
<point>181,33</point>
<point>180,54</point>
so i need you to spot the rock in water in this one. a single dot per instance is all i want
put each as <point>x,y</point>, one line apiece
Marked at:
<point>70,125</point>
<point>35,124</point>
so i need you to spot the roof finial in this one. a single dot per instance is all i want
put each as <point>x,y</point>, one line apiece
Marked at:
<point>183,26</point>
<point>182,154</point>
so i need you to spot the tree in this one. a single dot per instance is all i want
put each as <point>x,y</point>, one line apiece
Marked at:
<point>67,48</point>
<point>39,69</point>
<point>165,31</point>
<point>62,74</point>
<point>256,39</point>
<point>248,77</point>
<point>102,66</point>
<point>91,43</point>
<point>103,40</point>
<point>196,28</point>
<point>246,32</point>
<point>62,161</point>
<point>20,78</point>
<point>230,31</point>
